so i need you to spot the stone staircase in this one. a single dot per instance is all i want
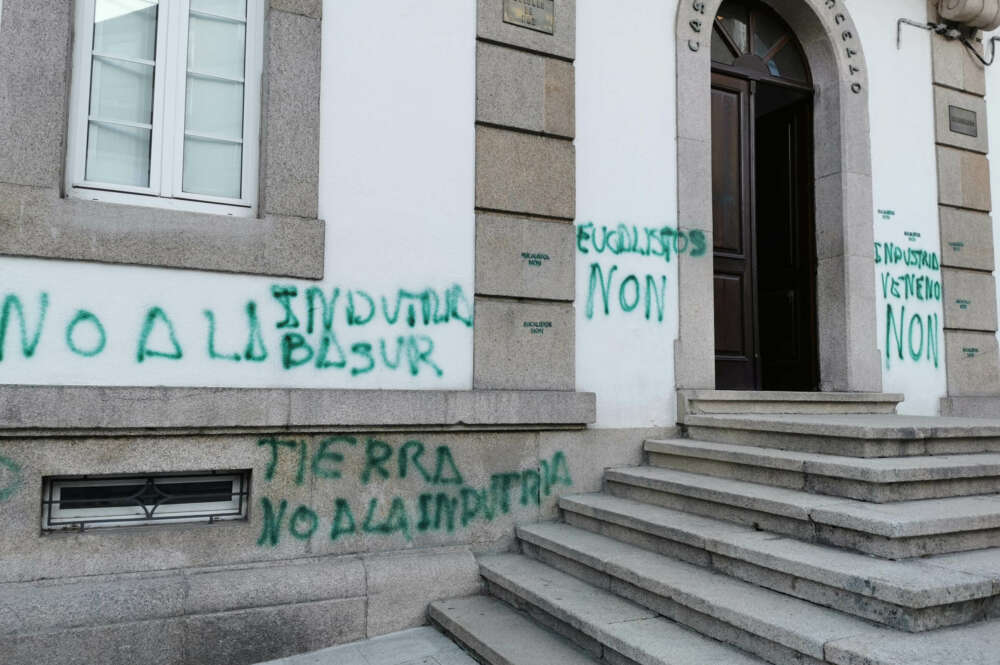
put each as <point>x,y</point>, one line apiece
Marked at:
<point>787,538</point>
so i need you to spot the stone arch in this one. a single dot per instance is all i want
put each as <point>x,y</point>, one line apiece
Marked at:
<point>845,297</point>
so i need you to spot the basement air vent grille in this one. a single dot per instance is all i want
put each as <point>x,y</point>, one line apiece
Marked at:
<point>86,502</point>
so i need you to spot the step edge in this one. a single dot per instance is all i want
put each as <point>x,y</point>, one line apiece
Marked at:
<point>463,637</point>
<point>912,597</point>
<point>848,468</point>
<point>790,396</point>
<point>595,630</point>
<point>790,636</point>
<point>553,609</point>
<point>822,512</point>
<point>876,433</point>
<point>467,638</point>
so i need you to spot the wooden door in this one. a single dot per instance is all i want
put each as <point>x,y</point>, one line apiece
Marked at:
<point>785,247</point>
<point>736,357</point>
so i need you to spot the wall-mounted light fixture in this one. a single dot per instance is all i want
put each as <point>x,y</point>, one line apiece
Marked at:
<point>980,14</point>
<point>962,20</point>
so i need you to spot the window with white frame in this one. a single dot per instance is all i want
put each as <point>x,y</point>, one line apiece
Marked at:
<point>86,502</point>
<point>166,103</point>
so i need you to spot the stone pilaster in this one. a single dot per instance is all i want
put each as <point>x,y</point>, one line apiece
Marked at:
<point>964,204</point>
<point>525,195</point>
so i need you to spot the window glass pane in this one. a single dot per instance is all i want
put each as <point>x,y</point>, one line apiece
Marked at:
<point>214,107</point>
<point>101,496</point>
<point>195,492</point>
<point>118,155</point>
<point>216,47</point>
<point>788,64</point>
<point>734,19</point>
<point>214,102</point>
<point>234,8</point>
<point>121,90</point>
<point>721,52</point>
<point>212,168</point>
<point>125,28</point>
<point>766,33</point>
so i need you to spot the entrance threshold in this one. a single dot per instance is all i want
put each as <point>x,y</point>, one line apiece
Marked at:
<point>705,402</point>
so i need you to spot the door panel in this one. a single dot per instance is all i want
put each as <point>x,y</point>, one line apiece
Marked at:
<point>732,222</point>
<point>728,166</point>
<point>729,339</point>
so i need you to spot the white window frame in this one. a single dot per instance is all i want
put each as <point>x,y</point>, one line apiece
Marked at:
<point>55,518</point>
<point>167,145</point>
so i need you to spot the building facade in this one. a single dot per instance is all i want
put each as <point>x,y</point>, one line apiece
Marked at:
<point>305,303</point>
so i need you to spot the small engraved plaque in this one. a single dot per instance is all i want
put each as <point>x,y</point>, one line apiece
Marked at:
<point>537,15</point>
<point>963,121</point>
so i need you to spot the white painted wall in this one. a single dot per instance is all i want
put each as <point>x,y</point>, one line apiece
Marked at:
<point>396,191</point>
<point>626,174</point>
<point>904,180</point>
<point>397,168</point>
<point>626,155</point>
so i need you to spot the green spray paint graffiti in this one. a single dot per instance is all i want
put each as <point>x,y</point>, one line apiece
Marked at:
<point>661,241</point>
<point>631,291</point>
<point>309,324</point>
<point>10,478</point>
<point>442,500</point>
<point>613,291</point>
<point>910,278</point>
<point>72,343</point>
<point>29,342</point>
<point>888,253</point>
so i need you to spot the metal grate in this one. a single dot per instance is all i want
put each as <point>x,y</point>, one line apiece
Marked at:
<point>82,502</point>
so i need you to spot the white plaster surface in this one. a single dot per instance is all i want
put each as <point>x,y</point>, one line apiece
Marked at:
<point>396,191</point>
<point>904,180</point>
<point>396,176</point>
<point>626,155</point>
<point>626,169</point>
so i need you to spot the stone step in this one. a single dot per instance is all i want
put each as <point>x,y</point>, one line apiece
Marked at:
<point>879,480</point>
<point>770,625</point>
<point>975,644</point>
<point>853,435</point>
<point>608,626</point>
<point>500,635</point>
<point>911,595</point>
<point>892,530</point>
<point>780,629</point>
<point>971,406</point>
<point>692,402</point>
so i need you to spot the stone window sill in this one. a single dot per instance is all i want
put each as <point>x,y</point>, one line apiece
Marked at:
<point>30,409</point>
<point>34,221</point>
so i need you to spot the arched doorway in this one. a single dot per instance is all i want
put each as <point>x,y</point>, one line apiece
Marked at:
<point>842,187</point>
<point>762,194</point>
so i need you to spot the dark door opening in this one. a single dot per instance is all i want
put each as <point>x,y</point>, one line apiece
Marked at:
<point>785,241</point>
<point>763,223</point>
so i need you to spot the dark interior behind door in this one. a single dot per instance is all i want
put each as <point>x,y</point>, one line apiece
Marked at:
<point>785,242</point>
<point>764,258</point>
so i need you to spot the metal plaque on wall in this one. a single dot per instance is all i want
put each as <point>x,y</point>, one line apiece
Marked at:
<point>534,14</point>
<point>963,121</point>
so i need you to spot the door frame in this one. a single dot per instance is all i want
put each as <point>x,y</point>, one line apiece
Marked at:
<point>844,219</point>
